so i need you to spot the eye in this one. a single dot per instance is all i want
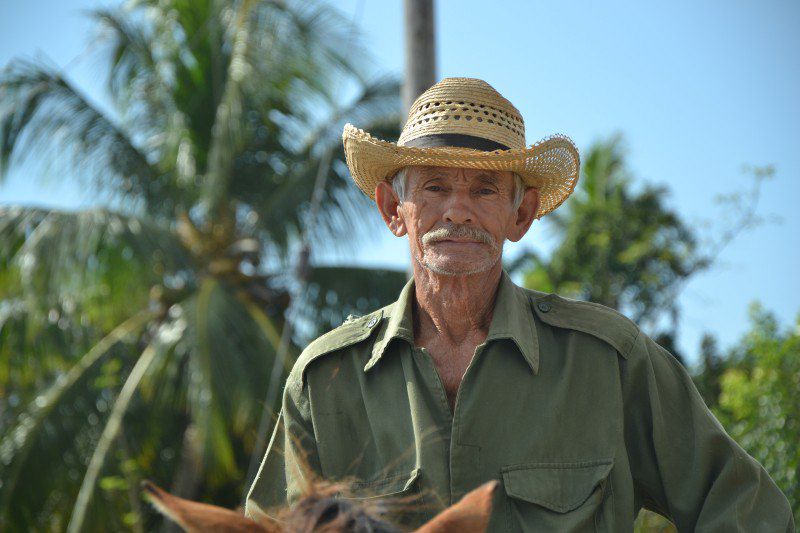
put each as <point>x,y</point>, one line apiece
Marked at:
<point>486,191</point>
<point>434,188</point>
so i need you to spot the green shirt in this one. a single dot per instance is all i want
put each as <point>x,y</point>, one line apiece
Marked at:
<point>582,417</point>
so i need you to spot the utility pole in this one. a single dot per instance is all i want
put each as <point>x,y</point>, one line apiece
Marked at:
<point>420,50</point>
<point>420,58</point>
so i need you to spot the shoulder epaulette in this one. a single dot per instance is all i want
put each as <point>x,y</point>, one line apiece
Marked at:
<point>593,318</point>
<point>349,333</point>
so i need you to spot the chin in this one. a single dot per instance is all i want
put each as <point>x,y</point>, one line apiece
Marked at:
<point>445,267</point>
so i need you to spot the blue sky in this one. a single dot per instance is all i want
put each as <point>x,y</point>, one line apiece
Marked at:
<point>698,89</point>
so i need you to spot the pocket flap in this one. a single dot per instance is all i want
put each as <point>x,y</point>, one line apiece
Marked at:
<point>385,486</point>
<point>557,486</point>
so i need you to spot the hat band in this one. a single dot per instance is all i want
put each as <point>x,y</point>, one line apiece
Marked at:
<point>458,140</point>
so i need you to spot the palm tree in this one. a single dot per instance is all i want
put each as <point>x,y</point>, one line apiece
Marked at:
<point>139,338</point>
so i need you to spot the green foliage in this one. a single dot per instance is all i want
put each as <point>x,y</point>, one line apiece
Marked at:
<point>333,293</point>
<point>139,341</point>
<point>713,365</point>
<point>617,247</point>
<point>759,401</point>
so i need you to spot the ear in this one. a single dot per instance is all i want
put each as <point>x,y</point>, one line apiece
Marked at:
<point>197,517</point>
<point>388,204</point>
<point>526,212</point>
<point>470,515</point>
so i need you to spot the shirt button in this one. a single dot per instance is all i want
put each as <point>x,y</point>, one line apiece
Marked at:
<point>372,322</point>
<point>543,307</point>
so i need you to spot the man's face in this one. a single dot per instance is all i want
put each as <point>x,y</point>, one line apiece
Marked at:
<point>457,219</point>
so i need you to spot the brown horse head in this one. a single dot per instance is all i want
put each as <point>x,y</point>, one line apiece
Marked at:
<point>321,510</point>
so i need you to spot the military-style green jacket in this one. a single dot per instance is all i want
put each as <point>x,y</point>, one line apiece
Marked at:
<point>581,416</point>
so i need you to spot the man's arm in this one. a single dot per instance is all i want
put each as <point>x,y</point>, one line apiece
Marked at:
<point>291,461</point>
<point>685,466</point>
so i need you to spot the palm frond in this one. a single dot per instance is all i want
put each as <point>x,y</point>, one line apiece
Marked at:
<point>144,58</point>
<point>334,292</point>
<point>96,261</point>
<point>284,199</point>
<point>112,428</point>
<point>43,118</point>
<point>227,139</point>
<point>137,68</point>
<point>231,356</point>
<point>375,101</point>
<point>298,112</point>
<point>16,445</point>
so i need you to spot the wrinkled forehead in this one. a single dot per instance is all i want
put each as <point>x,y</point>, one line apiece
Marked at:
<point>499,177</point>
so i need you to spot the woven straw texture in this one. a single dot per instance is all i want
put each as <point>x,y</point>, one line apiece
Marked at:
<point>470,107</point>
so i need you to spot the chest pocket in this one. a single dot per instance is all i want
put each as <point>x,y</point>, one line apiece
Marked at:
<point>555,496</point>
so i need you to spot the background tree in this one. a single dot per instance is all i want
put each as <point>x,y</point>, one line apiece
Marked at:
<point>139,338</point>
<point>712,368</point>
<point>626,249</point>
<point>759,400</point>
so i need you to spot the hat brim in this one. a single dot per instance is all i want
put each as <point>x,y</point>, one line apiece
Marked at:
<point>552,165</point>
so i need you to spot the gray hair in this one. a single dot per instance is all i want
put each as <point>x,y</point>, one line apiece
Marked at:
<point>399,182</point>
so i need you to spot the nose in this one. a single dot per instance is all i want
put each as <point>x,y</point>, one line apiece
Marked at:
<point>458,207</point>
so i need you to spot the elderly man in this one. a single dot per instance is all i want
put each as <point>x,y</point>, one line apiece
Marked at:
<point>466,378</point>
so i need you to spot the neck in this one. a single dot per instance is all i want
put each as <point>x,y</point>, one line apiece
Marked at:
<point>456,309</point>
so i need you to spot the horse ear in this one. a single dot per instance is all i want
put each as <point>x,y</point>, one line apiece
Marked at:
<point>469,515</point>
<point>196,517</point>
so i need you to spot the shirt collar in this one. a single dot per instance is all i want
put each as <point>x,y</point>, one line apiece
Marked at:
<point>512,320</point>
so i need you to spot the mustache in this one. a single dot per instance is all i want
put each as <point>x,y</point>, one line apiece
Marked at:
<point>459,231</point>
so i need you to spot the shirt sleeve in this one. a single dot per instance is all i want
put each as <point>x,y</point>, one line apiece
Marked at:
<point>684,465</point>
<point>291,462</point>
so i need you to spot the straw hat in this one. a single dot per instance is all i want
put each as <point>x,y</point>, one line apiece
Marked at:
<point>465,122</point>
